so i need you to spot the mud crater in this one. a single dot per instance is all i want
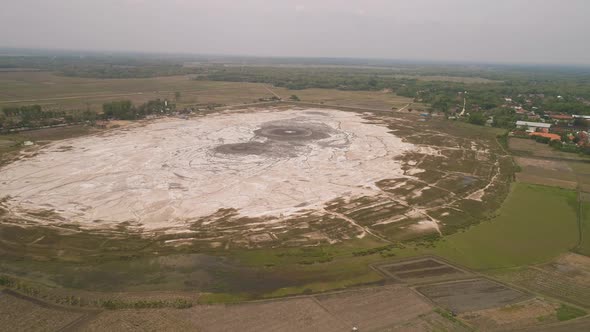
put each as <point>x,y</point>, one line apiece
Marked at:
<point>282,138</point>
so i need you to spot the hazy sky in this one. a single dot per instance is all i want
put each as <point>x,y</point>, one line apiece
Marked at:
<point>531,31</point>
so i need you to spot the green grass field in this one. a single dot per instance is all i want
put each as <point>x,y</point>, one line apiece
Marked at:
<point>566,312</point>
<point>534,225</point>
<point>584,247</point>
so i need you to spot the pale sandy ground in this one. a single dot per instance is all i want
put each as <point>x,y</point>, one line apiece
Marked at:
<point>166,173</point>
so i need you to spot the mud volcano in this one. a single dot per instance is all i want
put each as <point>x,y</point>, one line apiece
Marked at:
<point>294,132</point>
<point>282,138</point>
<point>170,174</point>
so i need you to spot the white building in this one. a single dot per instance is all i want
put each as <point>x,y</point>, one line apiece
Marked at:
<point>531,127</point>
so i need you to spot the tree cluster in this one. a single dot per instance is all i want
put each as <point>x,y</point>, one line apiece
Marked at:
<point>125,110</point>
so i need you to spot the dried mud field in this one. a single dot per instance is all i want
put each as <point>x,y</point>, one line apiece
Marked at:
<point>259,177</point>
<point>257,167</point>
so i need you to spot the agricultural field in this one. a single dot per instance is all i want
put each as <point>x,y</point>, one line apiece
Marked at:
<point>379,100</point>
<point>582,171</point>
<point>422,270</point>
<point>54,92</point>
<point>372,309</point>
<point>584,245</point>
<point>530,313</point>
<point>530,148</point>
<point>574,325</point>
<point>471,295</point>
<point>534,225</point>
<point>546,172</point>
<point>564,278</point>
<point>58,92</point>
<point>19,313</point>
<point>550,168</point>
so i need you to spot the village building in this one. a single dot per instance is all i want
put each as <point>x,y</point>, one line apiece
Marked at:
<point>532,127</point>
<point>561,117</point>
<point>552,137</point>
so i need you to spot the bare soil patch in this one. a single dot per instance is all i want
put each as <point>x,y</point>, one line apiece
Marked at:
<point>529,147</point>
<point>535,312</point>
<point>471,295</point>
<point>287,315</point>
<point>569,326</point>
<point>546,172</point>
<point>565,278</point>
<point>553,165</point>
<point>19,313</point>
<point>390,308</point>
<point>376,309</point>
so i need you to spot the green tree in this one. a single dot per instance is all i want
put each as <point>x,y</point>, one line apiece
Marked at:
<point>123,110</point>
<point>476,118</point>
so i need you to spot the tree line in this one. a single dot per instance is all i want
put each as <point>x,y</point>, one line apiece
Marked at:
<point>125,110</point>
<point>33,116</point>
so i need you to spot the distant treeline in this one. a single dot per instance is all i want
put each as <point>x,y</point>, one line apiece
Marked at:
<point>100,67</point>
<point>303,78</point>
<point>551,90</point>
<point>34,116</point>
<point>110,71</point>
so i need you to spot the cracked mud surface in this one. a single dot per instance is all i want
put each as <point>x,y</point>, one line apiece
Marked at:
<point>168,174</point>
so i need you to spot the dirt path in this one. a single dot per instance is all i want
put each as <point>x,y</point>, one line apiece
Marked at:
<point>403,108</point>
<point>352,222</point>
<point>274,93</point>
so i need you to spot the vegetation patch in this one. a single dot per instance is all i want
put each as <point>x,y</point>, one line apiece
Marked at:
<point>534,225</point>
<point>566,312</point>
<point>584,246</point>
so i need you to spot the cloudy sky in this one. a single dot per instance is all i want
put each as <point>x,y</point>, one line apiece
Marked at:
<point>525,31</point>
